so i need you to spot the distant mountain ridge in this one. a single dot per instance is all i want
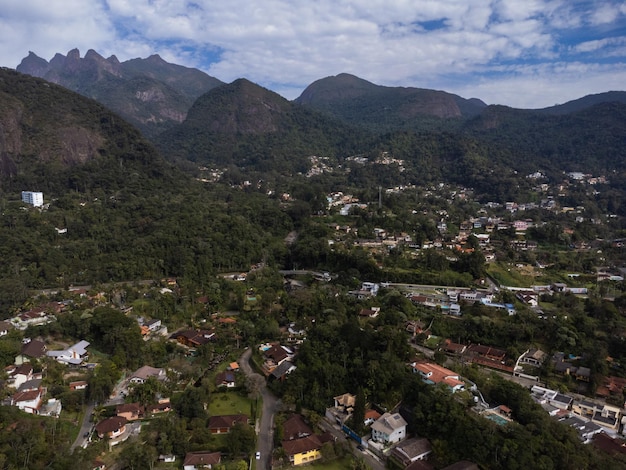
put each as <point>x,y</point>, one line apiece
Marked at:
<point>360,102</point>
<point>151,93</point>
<point>245,124</point>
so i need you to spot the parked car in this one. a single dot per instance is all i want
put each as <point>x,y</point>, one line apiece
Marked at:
<point>258,455</point>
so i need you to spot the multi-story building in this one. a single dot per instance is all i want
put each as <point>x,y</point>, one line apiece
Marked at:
<point>34,198</point>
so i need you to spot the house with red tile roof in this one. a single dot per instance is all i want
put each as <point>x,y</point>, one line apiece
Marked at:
<point>435,374</point>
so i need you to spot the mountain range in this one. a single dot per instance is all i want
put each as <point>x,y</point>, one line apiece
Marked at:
<point>194,118</point>
<point>151,94</point>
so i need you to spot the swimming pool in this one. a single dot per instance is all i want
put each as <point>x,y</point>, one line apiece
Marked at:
<point>499,420</point>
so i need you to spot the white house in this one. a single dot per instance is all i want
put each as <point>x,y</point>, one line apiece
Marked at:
<point>389,428</point>
<point>73,355</point>
<point>143,373</point>
<point>28,401</point>
<point>19,375</point>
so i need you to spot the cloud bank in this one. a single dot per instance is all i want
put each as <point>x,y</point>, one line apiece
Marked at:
<point>526,54</point>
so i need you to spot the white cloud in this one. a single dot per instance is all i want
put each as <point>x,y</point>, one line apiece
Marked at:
<point>290,43</point>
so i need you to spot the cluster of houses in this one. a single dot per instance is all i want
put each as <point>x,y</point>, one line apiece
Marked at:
<point>29,393</point>
<point>388,438</point>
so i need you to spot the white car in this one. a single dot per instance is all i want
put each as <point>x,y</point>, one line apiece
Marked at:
<point>258,455</point>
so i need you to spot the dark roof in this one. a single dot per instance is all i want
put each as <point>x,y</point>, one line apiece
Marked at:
<point>195,337</point>
<point>610,420</point>
<point>225,376</point>
<point>32,384</point>
<point>5,326</point>
<point>34,348</point>
<point>276,353</point>
<point>202,458</point>
<point>282,369</point>
<point>129,408</point>
<point>112,424</point>
<point>24,369</point>
<point>295,427</point>
<point>305,444</point>
<point>410,449</point>
<point>226,421</point>
<point>486,351</point>
<point>26,396</point>
<point>419,465</point>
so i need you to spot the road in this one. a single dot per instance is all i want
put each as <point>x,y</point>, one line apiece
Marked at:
<point>84,428</point>
<point>264,428</point>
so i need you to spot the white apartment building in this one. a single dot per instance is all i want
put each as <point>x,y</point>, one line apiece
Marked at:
<point>34,198</point>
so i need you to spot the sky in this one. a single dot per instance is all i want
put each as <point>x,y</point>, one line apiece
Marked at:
<point>520,53</point>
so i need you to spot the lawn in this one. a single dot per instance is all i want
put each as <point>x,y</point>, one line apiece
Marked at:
<point>337,464</point>
<point>229,403</point>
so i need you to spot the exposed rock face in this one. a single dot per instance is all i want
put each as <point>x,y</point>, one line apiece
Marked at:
<point>150,93</point>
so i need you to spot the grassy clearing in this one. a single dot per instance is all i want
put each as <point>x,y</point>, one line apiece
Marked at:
<point>229,403</point>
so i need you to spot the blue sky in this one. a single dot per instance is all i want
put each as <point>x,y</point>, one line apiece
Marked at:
<point>521,53</point>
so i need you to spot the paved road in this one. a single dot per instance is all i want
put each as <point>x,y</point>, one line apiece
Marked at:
<point>84,428</point>
<point>264,428</point>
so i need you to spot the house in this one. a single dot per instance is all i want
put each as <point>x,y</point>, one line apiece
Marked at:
<point>78,385</point>
<point>586,430</point>
<point>19,375</point>
<point>342,409</point>
<point>29,401</point>
<point>370,417</point>
<point>111,427</point>
<point>130,411</point>
<point>163,406</point>
<point>33,349</point>
<point>194,338</point>
<point>295,427</point>
<point>144,373</point>
<point>434,374</point>
<point>411,450</point>
<point>73,355</point>
<point>280,372</point>
<point>225,379</point>
<point>32,384</point>
<point>583,374</point>
<point>389,428</point>
<point>487,352</point>
<point>304,450</point>
<point>233,366</point>
<point>370,312</point>
<point>453,348</point>
<point>274,356</point>
<point>222,424</point>
<point>153,325</point>
<point>33,317</point>
<point>533,357</point>
<point>198,460</point>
